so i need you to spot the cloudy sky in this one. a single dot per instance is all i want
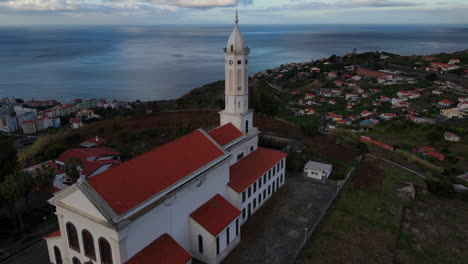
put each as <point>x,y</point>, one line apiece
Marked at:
<point>25,12</point>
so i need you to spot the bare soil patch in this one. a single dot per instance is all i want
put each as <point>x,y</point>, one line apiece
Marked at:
<point>367,175</point>
<point>433,230</point>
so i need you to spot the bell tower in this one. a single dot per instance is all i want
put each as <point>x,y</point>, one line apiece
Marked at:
<point>236,61</point>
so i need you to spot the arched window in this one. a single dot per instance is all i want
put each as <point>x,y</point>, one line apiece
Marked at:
<point>105,251</point>
<point>232,48</point>
<point>246,126</point>
<point>200,244</point>
<point>72,237</point>
<point>88,244</point>
<point>58,255</point>
<point>75,260</point>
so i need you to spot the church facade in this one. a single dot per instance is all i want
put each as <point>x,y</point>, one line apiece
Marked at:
<point>185,200</point>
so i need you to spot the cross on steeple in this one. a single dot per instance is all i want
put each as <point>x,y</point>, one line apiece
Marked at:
<point>237,17</point>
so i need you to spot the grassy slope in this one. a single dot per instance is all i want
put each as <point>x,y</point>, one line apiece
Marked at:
<point>362,226</point>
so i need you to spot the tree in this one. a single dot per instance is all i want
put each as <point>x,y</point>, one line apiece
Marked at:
<point>44,176</point>
<point>362,148</point>
<point>8,159</point>
<point>72,168</point>
<point>441,187</point>
<point>431,77</point>
<point>13,189</point>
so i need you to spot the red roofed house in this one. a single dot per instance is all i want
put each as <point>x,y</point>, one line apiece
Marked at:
<point>444,66</point>
<point>429,58</point>
<point>75,123</point>
<point>186,199</point>
<point>366,113</point>
<point>93,161</point>
<point>445,103</point>
<point>388,116</point>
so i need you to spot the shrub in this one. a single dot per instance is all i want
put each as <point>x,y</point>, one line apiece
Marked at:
<point>410,157</point>
<point>441,187</point>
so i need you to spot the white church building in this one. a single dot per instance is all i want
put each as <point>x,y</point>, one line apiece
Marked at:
<point>182,201</point>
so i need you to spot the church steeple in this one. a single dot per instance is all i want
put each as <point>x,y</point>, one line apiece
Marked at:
<point>236,85</point>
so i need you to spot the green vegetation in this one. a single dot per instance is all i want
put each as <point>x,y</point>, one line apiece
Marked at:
<point>8,159</point>
<point>423,164</point>
<point>408,61</point>
<point>363,224</point>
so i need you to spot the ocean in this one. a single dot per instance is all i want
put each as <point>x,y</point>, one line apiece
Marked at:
<point>165,62</point>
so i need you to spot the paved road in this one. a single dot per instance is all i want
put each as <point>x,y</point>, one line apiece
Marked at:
<point>34,254</point>
<point>275,232</point>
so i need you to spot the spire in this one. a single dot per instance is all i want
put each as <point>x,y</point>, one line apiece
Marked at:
<point>236,41</point>
<point>237,18</point>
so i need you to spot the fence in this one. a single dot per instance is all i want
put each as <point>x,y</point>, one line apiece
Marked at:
<point>309,233</point>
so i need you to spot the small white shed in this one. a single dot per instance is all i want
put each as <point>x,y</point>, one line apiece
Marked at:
<point>317,171</point>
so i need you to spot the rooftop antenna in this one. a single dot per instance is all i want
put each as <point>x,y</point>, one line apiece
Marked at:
<point>237,17</point>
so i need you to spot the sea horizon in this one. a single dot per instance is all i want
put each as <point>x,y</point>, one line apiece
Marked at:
<point>159,62</point>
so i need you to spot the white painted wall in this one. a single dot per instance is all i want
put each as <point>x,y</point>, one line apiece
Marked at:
<point>238,120</point>
<point>51,242</point>
<point>97,230</point>
<point>243,147</point>
<point>209,242</point>
<point>254,195</point>
<point>172,216</point>
<point>317,174</point>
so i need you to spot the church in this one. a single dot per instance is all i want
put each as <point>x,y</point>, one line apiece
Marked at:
<point>184,201</point>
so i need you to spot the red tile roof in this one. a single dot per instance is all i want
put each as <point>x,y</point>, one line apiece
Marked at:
<point>446,102</point>
<point>163,250</point>
<point>85,153</point>
<point>436,155</point>
<point>75,120</point>
<point>136,180</point>
<point>90,166</point>
<point>53,234</point>
<point>215,215</point>
<point>96,140</point>
<point>247,170</point>
<point>225,134</point>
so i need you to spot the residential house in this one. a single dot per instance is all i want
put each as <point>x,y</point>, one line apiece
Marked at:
<point>348,96</point>
<point>449,136</point>
<point>384,98</point>
<point>332,75</point>
<point>444,103</point>
<point>388,116</point>
<point>437,92</point>
<point>75,123</point>
<point>366,113</point>
<point>369,122</point>
<point>315,69</point>
<point>452,113</point>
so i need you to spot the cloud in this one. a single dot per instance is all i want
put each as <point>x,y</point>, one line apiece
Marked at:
<point>351,4</point>
<point>203,3</point>
<point>371,3</point>
<point>117,5</point>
